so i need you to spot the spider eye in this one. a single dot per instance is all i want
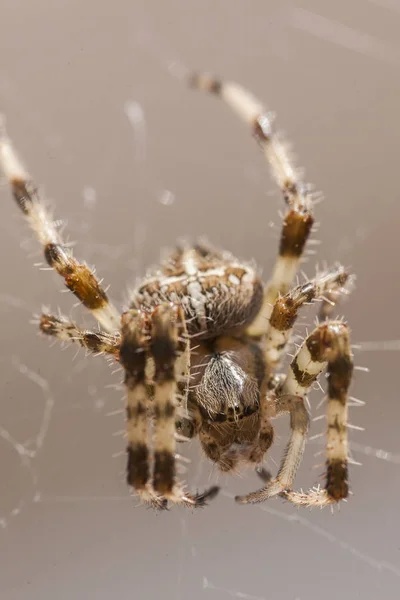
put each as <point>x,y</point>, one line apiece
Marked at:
<point>185,427</point>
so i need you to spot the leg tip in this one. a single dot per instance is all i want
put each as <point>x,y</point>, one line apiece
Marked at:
<point>241,499</point>
<point>263,474</point>
<point>203,498</point>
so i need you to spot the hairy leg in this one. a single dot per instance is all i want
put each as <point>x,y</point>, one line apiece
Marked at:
<point>161,337</point>
<point>327,347</point>
<point>97,342</point>
<point>285,310</point>
<point>79,279</point>
<point>298,219</point>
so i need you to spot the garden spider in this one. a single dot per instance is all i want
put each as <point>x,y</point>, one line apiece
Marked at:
<point>203,337</point>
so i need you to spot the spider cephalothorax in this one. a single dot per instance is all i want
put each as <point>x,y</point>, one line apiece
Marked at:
<point>203,337</point>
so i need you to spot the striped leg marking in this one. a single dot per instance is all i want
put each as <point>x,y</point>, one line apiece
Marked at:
<point>298,220</point>
<point>169,344</point>
<point>133,357</point>
<point>97,342</point>
<point>296,228</point>
<point>79,279</point>
<point>161,337</point>
<point>328,346</point>
<point>164,349</point>
<point>285,309</point>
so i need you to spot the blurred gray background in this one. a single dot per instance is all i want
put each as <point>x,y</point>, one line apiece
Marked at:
<point>133,160</point>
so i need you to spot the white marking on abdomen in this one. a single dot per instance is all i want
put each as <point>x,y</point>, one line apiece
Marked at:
<point>198,299</point>
<point>234,279</point>
<point>190,263</point>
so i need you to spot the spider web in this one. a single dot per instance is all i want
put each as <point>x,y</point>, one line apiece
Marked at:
<point>193,566</point>
<point>28,450</point>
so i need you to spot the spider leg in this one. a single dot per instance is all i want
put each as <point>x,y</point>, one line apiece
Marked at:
<point>169,343</point>
<point>164,346</point>
<point>133,357</point>
<point>266,433</point>
<point>298,219</point>
<point>97,342</point>
<point>286,308</point>
<point>299,423</point>
<point>161,337</point>
<point>328,346</point>
<point>79,279</point>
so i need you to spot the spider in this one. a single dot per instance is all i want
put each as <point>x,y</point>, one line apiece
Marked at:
<point>203,337</point>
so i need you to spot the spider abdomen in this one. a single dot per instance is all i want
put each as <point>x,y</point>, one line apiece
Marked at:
<point>218,296</point>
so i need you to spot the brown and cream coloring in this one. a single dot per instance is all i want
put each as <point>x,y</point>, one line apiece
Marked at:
<point>203,338</point>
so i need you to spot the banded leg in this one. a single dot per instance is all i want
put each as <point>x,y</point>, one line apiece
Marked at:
<point>169,343</point>
<point>166,328</point>
<point>298,220</point>
<point>328,346</point>
<point>133,357</point>
<point>285,310</point>
<point>97,342</point>
<point>159,337</point>
<point>79,279</point>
